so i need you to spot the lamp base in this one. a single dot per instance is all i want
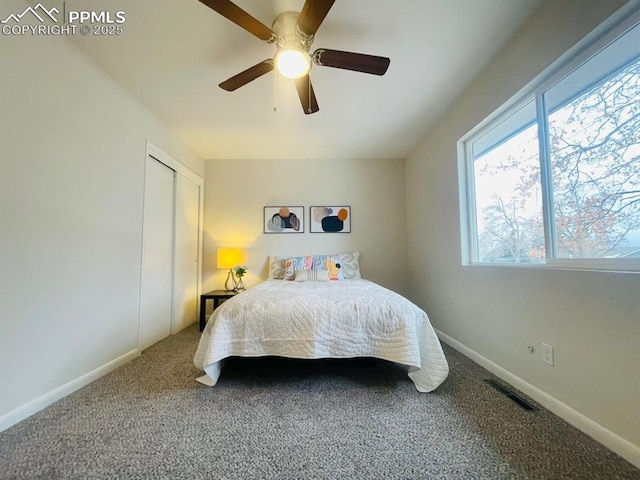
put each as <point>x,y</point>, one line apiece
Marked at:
<point>230,284</point>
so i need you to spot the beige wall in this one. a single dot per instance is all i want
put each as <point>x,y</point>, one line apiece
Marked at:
<point>591,318</point>
<point>72,147</point>
<point>238,190</point>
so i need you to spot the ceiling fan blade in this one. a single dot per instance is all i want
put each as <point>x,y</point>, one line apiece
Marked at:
<point>241,18</point>
<point>247,76</point>
<point>307,97</point>
<point>313,14</point>
<point>358,62</point>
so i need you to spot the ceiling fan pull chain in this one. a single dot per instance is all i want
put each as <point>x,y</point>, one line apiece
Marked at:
<point>275,92</point>
<point>309,95</point>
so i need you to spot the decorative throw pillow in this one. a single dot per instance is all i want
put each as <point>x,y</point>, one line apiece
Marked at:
<point>330,263</point>
<point>276,267</point>
<point>350,264</point>
<point>311,275</point>
<point>291,264</point>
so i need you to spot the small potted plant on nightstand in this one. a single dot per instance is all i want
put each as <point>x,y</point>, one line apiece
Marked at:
<point>239,271</point>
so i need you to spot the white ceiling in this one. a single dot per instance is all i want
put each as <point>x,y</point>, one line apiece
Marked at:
<point>173,54</point>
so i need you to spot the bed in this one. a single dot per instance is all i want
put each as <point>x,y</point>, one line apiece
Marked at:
<point>323,319</point>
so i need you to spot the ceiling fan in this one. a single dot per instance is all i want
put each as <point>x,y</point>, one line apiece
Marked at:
<point>293,33</point>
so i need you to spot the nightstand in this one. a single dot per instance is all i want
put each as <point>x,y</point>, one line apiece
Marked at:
<point>216,296</point>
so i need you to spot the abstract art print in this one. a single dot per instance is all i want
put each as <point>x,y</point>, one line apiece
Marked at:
<point>330,219</point>
<point>283,219</point>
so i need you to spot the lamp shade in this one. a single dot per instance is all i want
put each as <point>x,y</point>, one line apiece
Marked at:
<point>230,257</point>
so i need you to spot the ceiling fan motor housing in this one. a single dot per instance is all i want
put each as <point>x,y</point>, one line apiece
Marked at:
<point>289,35</point>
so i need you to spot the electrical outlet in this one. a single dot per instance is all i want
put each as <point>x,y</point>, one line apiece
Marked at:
<point>547,354</point>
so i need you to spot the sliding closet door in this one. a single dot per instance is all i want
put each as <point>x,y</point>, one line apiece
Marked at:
<point>186,271</point>
<point>157,254</point>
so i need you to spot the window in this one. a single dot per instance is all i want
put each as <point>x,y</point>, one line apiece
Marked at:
<point>555,178</point>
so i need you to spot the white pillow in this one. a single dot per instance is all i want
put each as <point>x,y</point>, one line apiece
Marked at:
<point>311,275</point>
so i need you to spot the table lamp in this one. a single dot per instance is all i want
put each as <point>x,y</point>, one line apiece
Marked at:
<point>229,258</point>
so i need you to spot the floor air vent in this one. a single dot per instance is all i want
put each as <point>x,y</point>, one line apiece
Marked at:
<point>511,394</point>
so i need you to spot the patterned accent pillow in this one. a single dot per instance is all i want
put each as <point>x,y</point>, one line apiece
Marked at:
<point>276,267</point>
<point>311,275</point>
<point>350,264</point>
<point>291,264</point>
<point>330,263</point>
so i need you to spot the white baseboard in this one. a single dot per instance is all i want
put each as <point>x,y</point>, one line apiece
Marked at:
<point>18,414</point>
<point>613,442</point>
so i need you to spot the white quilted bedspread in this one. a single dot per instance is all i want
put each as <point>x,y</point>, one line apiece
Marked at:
<point>335,319</point>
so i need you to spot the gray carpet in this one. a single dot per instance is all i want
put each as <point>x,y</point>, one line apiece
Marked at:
<point>286,419</point>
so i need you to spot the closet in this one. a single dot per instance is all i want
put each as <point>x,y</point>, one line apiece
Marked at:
<point>171,247</point>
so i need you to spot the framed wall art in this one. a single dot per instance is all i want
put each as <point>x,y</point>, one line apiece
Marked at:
<point>283,219</point>
<point>330,219</point>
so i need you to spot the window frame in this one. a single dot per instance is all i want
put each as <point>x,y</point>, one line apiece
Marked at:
<point>607,33</point>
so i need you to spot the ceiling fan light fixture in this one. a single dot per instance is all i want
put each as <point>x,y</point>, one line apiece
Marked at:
<point>293,63</point>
